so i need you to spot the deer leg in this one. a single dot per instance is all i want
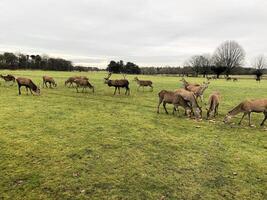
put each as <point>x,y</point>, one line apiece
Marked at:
<point>164,106</point>
<point>115,90</point>
<point>216,110</point>
<point>119,90</point>
<point>151,87</point>
<point>265,117</point>
<point>77,89</point>
<point>50,85</point>
<point>31,91</point>
<point>249,119</point>
<point>160,101</point>
<point>128,89</point>
<point>242,118</point>
<point>19,89</point>
<point>27,90</point>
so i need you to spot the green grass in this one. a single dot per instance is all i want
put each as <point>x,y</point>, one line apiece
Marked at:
<point>64,145</point>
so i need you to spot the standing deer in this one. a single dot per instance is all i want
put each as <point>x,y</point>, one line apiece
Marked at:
<point>198,90</point>
<point>121,83</point>
<point>186,84</point>
<point>70,80</point>
<point>169,97</point>
<point>28,84</point>
<point>50,80</point>
<point>247,107</point>
<point>80,82</point>
<point>214,101</point>
<point>143,83</point>
<point>8,78</point>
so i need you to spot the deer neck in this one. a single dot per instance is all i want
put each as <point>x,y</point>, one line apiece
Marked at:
<point>236,110</point>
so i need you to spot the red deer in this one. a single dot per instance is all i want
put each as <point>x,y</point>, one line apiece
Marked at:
<point>214,101</point>
<point>169,97</point>
<point>8,78</point>
<point>247,107</point>
<point>143,83</point>
<point>121,83</point>
<point>235,79</point>
<point>50,80</point>
<point>198,90</point>
<point>186,84</point>
<point>28,84</point>
<point>190,97</point>
<point>70,80</point>
<point>80,82</point>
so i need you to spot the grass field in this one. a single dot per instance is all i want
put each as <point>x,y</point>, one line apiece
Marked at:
<point>64,145</point>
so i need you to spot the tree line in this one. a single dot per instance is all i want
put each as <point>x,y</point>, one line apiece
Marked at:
<point>228,58</point>
<point>36,62</point>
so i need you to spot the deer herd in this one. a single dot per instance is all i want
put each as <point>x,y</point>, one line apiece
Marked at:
<point>186,97</point>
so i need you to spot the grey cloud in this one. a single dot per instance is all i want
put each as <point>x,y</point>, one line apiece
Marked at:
<point>148,32</point>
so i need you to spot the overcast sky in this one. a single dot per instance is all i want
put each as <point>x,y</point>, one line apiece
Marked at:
<point>147,32</point>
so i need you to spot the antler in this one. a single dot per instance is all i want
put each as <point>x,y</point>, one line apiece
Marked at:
<point>109,75</point>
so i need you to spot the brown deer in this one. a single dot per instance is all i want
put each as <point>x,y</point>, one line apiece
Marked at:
<point>169,97</point>
<point>198,90</point>
<point>143,83</point>
<point>28,84</point>
<point>81,82</point>
<point>235,79</point>
<point>50,80</point>
<point>247,107</point>
<point>121,83</point>
<point>189,96</point>
<point>186,84</point>
<point>214,101</point>
<point>8,78</point>
<point>70,80</point>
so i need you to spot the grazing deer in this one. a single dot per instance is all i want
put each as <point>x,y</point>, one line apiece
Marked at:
<point>121,83</point>
<point>169,97</point>
<point>247,107</point>
<point>80,82</point>
<point>143,83</point>
<point>198,90</point>
<point>228,78</point>
<point>8,78</point>
<point>50,80</point>
<point>214,101</point>
<point>70,80</point>
<point>235,79</point>
<point>186,84</point>
<point>28,84</point>
<point>189,96</point>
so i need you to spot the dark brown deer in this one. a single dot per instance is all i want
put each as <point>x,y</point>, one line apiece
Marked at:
<point>81,82</point>
<point>8,78</point>
<point>169,97</point>
<point>214,101</point>
<point>121,83</point>
<point>143,83</point>
<point>50,80</point>
<point>70,80</point>
<point>28,84</point>
<point>247,107</point>
<point>235,79</point>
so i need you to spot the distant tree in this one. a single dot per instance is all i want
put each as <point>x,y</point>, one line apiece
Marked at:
<point>10,59</point>
<point>259,63</point>
<point>194,62</point>
<point>229,55</point>
<point>200,64</point>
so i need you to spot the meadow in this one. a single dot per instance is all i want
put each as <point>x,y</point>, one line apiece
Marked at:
<point>68,145</point>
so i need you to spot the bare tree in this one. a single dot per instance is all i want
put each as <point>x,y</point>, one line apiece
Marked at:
<point>200,64</point>
<point>229,55</point>
<point>259,63</point>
